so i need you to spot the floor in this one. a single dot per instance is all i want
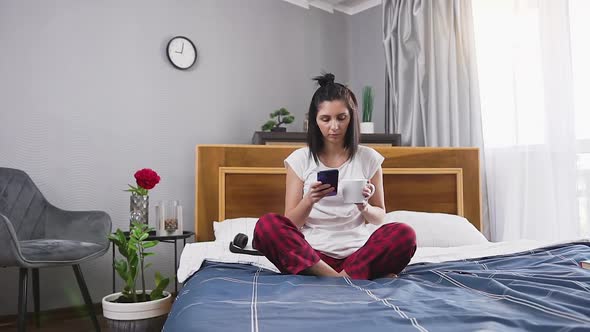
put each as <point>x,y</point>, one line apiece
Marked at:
<point>69,325</point>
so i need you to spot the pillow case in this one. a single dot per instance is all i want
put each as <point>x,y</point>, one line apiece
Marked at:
<point>432,229</point>
<point>226,230</point>
<point>438,229</point>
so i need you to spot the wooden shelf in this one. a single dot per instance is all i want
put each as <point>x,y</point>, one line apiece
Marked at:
<point>299,138</point>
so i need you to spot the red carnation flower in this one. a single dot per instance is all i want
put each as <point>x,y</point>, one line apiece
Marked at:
<point>146,179</point>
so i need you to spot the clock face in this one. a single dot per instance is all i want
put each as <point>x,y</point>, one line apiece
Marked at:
<point>181,52</point>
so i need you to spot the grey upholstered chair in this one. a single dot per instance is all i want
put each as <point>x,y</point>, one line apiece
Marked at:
<point>36,234</point>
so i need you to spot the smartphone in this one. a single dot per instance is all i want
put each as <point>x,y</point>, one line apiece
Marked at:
<point>331,177</point>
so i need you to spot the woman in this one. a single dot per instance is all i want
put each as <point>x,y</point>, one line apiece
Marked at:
<point>319,233</point>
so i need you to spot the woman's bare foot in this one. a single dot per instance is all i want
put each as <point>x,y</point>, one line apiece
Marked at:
<point>391,275</point>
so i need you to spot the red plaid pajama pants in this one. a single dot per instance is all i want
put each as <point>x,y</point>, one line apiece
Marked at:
<point>388,250</point>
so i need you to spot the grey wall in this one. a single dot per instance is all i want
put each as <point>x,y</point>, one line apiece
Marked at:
<point>366,60</point>
<point>87,97</point>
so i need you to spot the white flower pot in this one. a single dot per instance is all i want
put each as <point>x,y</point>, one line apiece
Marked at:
<point>141,316</point>
<point>367,128</point>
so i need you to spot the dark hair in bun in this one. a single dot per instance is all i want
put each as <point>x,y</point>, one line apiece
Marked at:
<point>325,79</point>
<point>329,90</point>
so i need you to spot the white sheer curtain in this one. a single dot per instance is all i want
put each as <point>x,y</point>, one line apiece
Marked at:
<point>534,76</point>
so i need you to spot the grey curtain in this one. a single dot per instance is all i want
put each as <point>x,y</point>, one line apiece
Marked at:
<point>432,88</point>
<point>432,91</point>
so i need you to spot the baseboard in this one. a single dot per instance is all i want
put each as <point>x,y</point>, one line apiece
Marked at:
<point>53,315</point>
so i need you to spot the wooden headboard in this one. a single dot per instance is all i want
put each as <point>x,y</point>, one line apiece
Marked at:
<point>249,180</point>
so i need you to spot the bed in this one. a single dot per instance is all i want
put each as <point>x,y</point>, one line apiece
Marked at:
<point>457,281</point>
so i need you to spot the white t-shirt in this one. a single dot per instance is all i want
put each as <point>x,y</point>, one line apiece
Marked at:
<point>333,227</point>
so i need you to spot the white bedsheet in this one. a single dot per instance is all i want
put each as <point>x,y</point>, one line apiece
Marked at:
<point>194,254</point>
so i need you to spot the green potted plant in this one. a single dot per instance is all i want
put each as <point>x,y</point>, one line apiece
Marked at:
<point>367,126</point>
<point>136,309</point>
<point>282,116</point>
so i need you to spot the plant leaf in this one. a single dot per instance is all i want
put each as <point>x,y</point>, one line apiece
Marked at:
<point>268,125</point>
<point>367,103</point>
<point>133,261</point>
<point>121,268</point>
<point>136,233</point>
<point>161,284</point>
<point>149,244</point>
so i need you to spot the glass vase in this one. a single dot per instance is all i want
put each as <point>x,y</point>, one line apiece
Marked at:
<point>138,208</point>
<point>169,216</point>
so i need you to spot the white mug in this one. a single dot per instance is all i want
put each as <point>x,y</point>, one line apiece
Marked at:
<point>352,190</point>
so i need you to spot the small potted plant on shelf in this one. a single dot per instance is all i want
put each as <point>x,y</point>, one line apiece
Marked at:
<point>367,126</point>
<point>282,116</point>
<point>136,309</point>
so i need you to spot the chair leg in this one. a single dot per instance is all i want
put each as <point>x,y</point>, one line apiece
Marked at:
<point>22,299</point>
<point>86,296</point>
<point>36,297</point>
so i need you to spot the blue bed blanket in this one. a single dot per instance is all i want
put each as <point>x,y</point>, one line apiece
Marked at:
<point>539,290</point>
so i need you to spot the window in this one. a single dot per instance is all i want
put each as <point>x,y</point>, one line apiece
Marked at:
<point>534,77</point>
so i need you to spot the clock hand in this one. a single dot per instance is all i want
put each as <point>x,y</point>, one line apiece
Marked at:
<point>182,50</point>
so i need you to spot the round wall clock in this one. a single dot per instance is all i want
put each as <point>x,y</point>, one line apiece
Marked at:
<point>181,52</point>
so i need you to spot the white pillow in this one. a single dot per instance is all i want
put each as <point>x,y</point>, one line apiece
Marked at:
<point>438,229</point>
<point>226,230</point>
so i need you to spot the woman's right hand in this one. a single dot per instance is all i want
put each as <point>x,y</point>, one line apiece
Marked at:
<point>317,191</point>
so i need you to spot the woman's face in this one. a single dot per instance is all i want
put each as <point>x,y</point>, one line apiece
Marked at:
<point>333,119</point>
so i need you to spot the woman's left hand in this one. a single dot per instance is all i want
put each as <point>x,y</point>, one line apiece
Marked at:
<point>367,193</point>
